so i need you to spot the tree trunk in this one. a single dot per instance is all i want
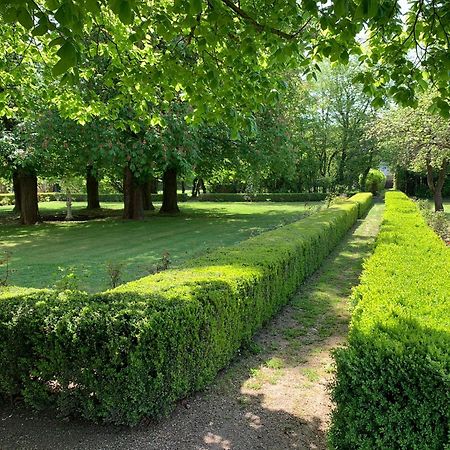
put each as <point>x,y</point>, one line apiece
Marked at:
<point>362,186</point>
<point>153,185</point>
<point>183,187</point>
<point>133,197</point>
<point>93,199</point>
<point>29,213</point>
<point>202,185</point>
<point>436,187</point>
<point>170,199</point>
<point>69,214</point>
<point>16,189</point>
<point>438,204</point>
<point>194,188</point>
<point>147,196</point>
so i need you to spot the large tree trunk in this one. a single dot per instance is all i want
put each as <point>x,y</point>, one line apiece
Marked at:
<point>133,198</point>
<point>16,189</point>
<point>436,187</point>
<point>29,214</point>
<point>202,185</point>
<point>93,198</point>
<point>147,196</point>
<point>170,199</point>
<point>438,204</point>
<point>153,185</point>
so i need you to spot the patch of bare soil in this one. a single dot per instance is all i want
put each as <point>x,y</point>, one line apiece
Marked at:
<point>273,397</point>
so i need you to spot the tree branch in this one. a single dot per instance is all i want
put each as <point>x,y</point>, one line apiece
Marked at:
<point>259,26</point>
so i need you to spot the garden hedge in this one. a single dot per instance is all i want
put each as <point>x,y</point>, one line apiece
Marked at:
<point>392,387</point>
<point>8,199</point>
<point>135,350</point>
<point>270,197</point>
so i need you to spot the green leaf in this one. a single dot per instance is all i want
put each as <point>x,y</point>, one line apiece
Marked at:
<point>195,6</point>
<point>377,102</point>
<point>57,41</point>
<point>443,106</point>
<point>68,53</point>
<point>340,8</point>
<point>372,8</point>
<point>52,4</point>
<point>24,18</point>
<point>125,13</point>
<point>93,6</point>
<point>60,67</point>
<point>62,15</point>
<point>41,29</point>
<point>135,128</point>
<point>344,57</point>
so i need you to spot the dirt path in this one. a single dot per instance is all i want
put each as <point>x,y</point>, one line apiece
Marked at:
<point>274,397</point>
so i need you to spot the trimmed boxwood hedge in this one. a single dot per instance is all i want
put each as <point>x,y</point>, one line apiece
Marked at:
<point>392,387</point>
<point>135,350</point>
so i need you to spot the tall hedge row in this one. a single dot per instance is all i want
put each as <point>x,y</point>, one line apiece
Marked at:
<point>135,350</point>
<point>393,379</point>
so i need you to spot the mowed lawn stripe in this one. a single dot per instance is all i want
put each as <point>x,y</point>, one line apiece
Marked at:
<point>42,254</point>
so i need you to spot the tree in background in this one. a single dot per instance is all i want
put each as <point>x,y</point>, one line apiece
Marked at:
<point>418,139</point>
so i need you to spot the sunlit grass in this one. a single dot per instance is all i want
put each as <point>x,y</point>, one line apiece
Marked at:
<point>43,253</point>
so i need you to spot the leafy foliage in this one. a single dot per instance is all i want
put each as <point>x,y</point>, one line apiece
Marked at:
<point>159,49</point>
<point>375,181</point>
<point>269,197</point>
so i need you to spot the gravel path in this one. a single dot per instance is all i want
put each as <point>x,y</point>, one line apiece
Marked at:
<point>273,397</point>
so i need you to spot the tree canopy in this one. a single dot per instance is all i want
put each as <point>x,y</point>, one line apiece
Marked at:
<point>218,54</point>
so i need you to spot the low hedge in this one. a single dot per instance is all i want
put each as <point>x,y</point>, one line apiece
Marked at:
<point>271,197</point>
<point>8,199</point>
<point>135,350</point>
<point>392,388</point>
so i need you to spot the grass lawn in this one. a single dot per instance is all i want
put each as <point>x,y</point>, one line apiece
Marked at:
<point>42,254</point>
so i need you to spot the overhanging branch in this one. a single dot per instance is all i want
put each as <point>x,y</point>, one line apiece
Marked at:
<point>259,26</point>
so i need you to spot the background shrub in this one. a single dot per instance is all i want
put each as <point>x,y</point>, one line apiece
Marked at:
<point>135,350</point>
<point>393,379</point>
<point>375,181</point>
<point>270,197</point>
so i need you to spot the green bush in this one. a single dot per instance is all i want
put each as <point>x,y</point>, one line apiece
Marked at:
<point>375,181</point>
<point>392,388</point>
<point>8,199</point>
<point>271,197</point>
<point>135,350</point>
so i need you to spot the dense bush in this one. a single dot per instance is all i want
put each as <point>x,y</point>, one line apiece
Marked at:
<point>135,350</point>
<point>375,181</point>
<point>271,197</point>
<point>8,199</point>
<point>392,388</point>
